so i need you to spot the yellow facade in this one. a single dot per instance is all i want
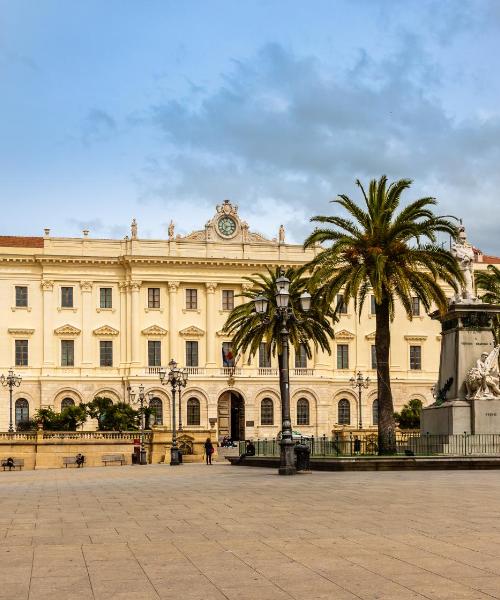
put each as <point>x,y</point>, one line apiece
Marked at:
<point>212,261</point>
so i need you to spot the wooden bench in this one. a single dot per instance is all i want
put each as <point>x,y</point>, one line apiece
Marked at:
<point>109,458</point>
<point>71,460</point>
<point>18,462</point>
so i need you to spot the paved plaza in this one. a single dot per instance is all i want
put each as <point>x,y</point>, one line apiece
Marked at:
<point>212,533</point>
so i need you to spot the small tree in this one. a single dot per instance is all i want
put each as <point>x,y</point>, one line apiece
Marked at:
<point>69,419</point>
<point>113,417</point>
<point>409,417</point>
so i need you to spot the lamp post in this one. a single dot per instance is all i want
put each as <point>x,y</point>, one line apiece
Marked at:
<point>360,382</point>
<point>284,313</point>
<point>11,381</point>
<point>141,396</point>
<point>177,378</point>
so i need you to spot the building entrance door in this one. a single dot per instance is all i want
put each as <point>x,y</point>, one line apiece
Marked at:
<point>231,416</point>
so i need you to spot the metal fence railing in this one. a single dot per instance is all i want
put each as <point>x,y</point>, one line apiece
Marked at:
<point>407,444</point>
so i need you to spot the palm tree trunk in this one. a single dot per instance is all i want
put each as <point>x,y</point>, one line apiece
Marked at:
<point>386,424</point>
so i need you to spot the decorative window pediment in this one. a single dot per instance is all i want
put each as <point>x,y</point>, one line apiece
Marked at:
<point>370,336</point>
<point>19,331</point>
<point>67,330</point>
<point>222,333</point>
<point>106,330</point>
<point>416,338</point>
<point>344,335</point>
<point>154,330</point>
<point>192,331</point>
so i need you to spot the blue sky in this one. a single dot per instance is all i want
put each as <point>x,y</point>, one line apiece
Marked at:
<point>159,110</point>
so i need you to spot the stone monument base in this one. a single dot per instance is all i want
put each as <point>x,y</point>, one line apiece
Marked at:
<point>485,413</point>
<point>450,418</point>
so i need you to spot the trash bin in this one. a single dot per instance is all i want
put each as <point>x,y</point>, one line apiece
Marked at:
<point>135,458</point>
<point>302,453</point>
<point>180,457</point>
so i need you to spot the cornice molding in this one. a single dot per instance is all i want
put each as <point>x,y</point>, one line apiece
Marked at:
<point>154,330</point>
<point>67,330</point>
<point>106,330</point>
<point>20,331</point>
<point>344,334</point>
<point>192,331</point>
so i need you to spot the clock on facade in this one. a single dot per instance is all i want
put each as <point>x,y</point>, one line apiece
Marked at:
<point>227,226</point>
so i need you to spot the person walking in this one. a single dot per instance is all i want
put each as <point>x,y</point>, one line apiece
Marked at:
<point>209,450</point>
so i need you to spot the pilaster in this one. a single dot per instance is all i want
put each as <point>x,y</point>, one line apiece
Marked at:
<point>210,320</point>
<point>48,326</point>
<point>173,329</point>
<point>135,288</point>
<point>86,289</point>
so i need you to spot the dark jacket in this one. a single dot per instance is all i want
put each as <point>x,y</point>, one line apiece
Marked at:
<point>209,447</point>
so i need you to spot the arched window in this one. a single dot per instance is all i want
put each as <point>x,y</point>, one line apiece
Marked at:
<point>157,405</point>
<point>303,411</point>
<point>375,412</point>
<point>22,411</point>
<point>344,412</point>
<point>193,411</point>
<point>66,403</point>
<point>267,412</point>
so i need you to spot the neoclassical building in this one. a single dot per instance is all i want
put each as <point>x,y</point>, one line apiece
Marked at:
<point>81,317</point>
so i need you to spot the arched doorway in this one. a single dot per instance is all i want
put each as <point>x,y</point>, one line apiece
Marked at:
<point>231,415</point>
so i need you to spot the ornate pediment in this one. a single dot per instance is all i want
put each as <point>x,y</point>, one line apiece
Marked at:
<point>192,331</point>
<point>106,330</point>
<point>67,330</point>
<point>154,330</point>
<point>370,336</point>
<point>416,337</point>
<point>226,225</point>
<point>19,331</point>
<point>343,334</point>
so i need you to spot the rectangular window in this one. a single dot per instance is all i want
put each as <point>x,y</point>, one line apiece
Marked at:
<point>21,295</point>
<point>264,358</point>
<point>415,306</point>
<point>374,357</point>
<point>154,353</point>
<point>106,353</point>
<point>301,357</point>
<point>153,297</point>
<point>106,298</point>
<point>191,354</point>
<point>342,356</point>
<point>67,297</point>
<point>21,353</point>
<point>191,299</point>
<point>341,305</point>
<point>372,305</point>
<point>227,354</point>
<point>227,299</point>
<point>415,358</point>
<point>67,353</point>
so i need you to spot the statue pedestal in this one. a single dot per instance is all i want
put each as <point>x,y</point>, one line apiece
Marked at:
<point>485,413</point>
<point>450,418</point>
<point>466,334</point>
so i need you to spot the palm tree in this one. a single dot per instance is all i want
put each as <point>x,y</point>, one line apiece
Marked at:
<point>489,282</point>
<point>379,250</point>
<point>249,329</point>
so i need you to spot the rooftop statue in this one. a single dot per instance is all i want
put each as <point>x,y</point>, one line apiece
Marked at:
<point>133,229</point>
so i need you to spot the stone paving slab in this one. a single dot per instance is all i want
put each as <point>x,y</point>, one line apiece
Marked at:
<point>222,533</point>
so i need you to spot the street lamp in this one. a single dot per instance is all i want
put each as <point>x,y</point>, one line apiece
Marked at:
<point>177,378</point>
<point>11,381</point>
<point>360,382</point>
<point>284,313</point>
<point>141,396</point>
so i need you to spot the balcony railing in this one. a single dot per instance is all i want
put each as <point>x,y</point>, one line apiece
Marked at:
<point>153,370</point>
<point>267,371</point>
<point>303,372</point>
<point>230,371</point>
<point>195,370</point>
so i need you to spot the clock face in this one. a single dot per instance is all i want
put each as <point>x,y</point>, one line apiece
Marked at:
<point>227,226</point>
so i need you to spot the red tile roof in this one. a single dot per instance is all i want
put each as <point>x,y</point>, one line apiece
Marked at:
<point>492,260</point>
<point>17,241</point>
